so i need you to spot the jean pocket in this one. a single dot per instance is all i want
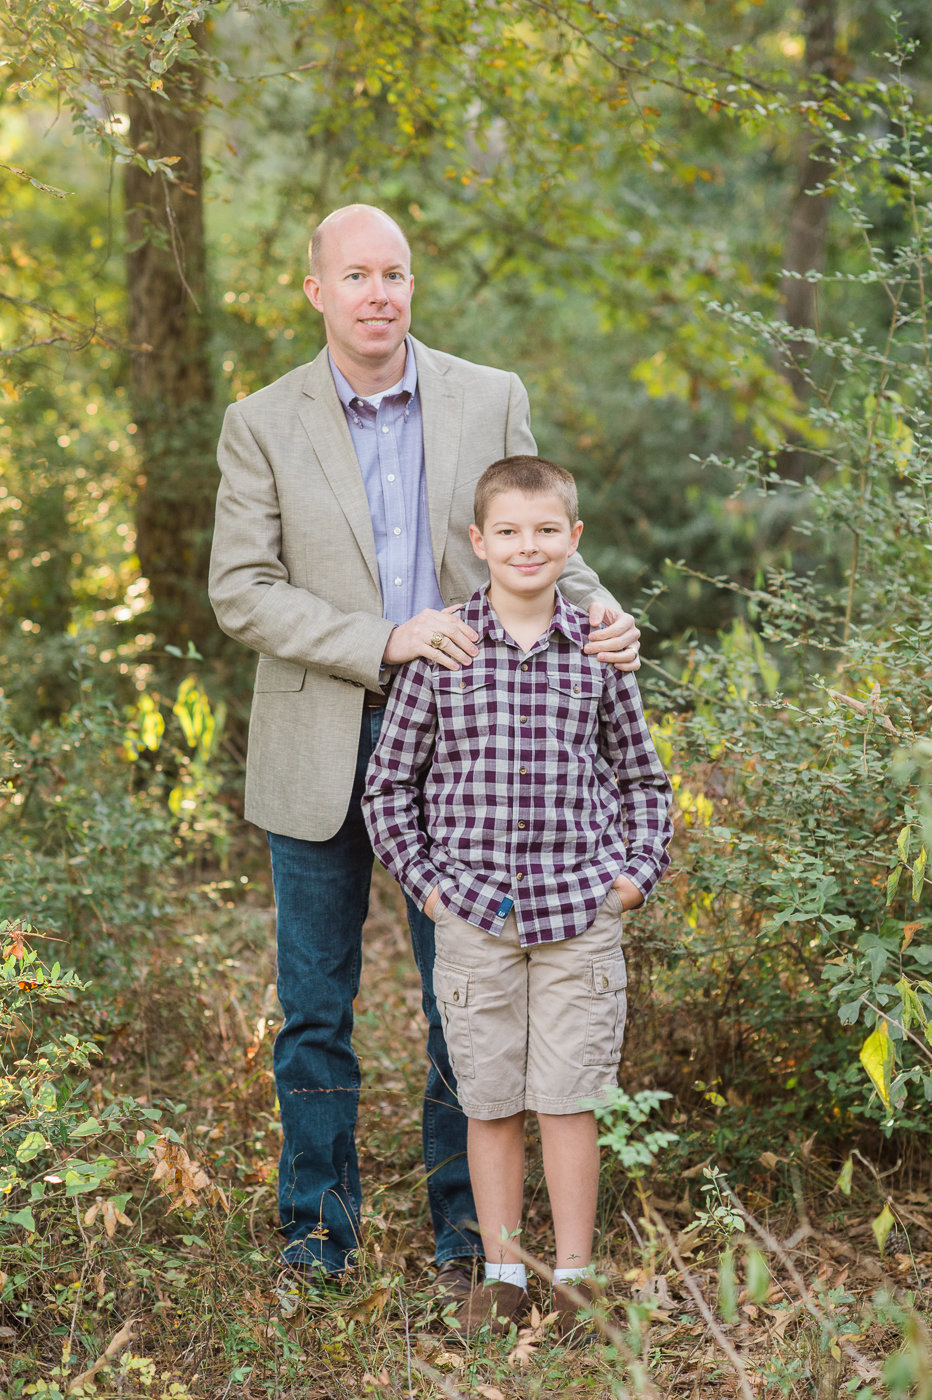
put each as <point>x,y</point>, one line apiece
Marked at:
<point>452,987</point>
<point>608,1009</point>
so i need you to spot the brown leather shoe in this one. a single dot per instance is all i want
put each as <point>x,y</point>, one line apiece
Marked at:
<point>456,1279</point>
<point>495,1305</point>
<point>570,1326</point>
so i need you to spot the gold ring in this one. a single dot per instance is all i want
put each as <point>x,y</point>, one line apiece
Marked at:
<point>438,641</point>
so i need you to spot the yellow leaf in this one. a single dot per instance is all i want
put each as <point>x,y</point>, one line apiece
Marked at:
<point>881,1226</point>
<point>844,1177</point>
<point>877,1058</point>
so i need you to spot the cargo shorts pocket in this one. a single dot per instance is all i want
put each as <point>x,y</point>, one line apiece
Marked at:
<point>452,987</point>
<point>608,1008</point>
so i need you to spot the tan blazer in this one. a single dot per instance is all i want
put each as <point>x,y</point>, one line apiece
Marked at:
<point>293,571</point>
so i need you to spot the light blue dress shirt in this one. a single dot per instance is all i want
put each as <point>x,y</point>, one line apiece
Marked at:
<point>389,442</point>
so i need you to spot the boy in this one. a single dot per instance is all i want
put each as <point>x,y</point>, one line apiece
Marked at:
<point>522,805</point>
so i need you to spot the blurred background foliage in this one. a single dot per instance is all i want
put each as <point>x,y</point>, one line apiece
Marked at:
<point>701,235</point>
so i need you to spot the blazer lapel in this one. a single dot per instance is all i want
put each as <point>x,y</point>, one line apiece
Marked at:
<point>442,416</point>
<point>324,421</point>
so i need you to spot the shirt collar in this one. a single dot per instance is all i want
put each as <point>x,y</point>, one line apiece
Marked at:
<point>347,394</point>
<point>567,619</point>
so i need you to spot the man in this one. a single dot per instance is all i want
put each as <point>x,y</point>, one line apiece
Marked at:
<point>345,497</point>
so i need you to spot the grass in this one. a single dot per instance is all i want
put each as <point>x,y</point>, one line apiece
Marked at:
<point>172,1290</point>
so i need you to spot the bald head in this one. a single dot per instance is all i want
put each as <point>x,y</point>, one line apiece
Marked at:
<point>355,214</point>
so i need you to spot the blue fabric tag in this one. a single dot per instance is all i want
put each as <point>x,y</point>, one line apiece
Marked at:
<point>504,909</point>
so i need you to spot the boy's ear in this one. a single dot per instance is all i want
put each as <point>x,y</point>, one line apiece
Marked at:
<point>475,534</point>
<point>574,538</point>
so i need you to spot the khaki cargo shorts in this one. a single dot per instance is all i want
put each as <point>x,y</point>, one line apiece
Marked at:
<point>534,1028</point>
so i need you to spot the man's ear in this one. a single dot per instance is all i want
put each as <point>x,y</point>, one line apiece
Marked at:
<point>312,291</point>
<point>478,544</point>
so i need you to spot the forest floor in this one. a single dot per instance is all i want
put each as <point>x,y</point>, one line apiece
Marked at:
<point>191,1302</point>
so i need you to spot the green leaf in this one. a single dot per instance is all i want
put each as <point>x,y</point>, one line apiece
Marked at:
<point>22,1217</point>
<point>758,1276</point>
<point>727,1289</point>
<point>919,872</point>
<point>877,1058</point>
<point>86,1129</point>
<point>844,1177</point>
<point>31,1145</point>
<point>893,880</point>
<point>881,1225</point>
<point>902,844</point>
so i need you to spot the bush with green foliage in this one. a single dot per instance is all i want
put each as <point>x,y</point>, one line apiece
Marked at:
<point>801,904</point>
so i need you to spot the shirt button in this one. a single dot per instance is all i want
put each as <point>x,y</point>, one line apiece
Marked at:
<point>575,689</point>
<point>522,770</point>
<point>390,477</point>
<point>524,667</point>
<point>397,582</point>
<point>385,430</point>
<point>396,531</point>
<point>604,982</point>
<point>519,876</point>
<point>523,719</point>
<point>522,825</point>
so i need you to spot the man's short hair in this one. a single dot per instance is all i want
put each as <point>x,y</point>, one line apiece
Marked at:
<point>533,476</point>
<point>315,246</point>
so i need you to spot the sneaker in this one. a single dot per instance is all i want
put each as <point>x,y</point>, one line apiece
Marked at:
<point>571,1326</point>
<point>456,1279</point>
<point>495,1305</point>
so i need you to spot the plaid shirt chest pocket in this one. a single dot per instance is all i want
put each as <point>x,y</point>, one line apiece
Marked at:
<point>466,699</point>
<point>572,704</point>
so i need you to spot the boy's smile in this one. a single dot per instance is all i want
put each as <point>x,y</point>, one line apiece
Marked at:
<point>526,542</point>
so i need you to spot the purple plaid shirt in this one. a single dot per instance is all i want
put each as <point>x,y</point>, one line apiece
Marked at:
<point>528,779</point>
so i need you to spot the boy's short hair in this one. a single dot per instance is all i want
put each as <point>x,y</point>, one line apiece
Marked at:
<point>534,476</point>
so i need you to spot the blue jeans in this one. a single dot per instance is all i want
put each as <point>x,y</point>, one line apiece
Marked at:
<point>322,898</point>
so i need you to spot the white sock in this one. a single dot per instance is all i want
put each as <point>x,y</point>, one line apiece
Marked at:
<point>571,1275</point>
<point>507,1273</point>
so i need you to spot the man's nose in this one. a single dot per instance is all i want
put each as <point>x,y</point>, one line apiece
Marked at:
<point>377,291</point>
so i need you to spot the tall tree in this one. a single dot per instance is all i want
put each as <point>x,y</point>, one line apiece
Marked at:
<point>170,372</point>
<point>811,206</point>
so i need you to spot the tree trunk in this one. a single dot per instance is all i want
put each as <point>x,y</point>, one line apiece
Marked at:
<point>170,378</point>
<point>807,236</point>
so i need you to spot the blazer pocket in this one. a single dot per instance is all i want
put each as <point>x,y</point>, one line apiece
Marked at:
<point>273,674</point>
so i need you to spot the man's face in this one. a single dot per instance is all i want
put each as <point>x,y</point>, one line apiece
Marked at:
<point>363,289</point>
<point>526,541</point>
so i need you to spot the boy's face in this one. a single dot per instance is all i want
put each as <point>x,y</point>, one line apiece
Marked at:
<point>526,541</point>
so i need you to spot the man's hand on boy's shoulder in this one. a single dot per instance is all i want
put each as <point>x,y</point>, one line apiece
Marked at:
<point>437,636</point>
<point>615,638</point>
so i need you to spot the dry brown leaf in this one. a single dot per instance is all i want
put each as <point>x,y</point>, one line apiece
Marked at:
<point>182,1177</point>
<point>114,1347</point>
<point>491,1392</point>
<point>369,1306</point>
